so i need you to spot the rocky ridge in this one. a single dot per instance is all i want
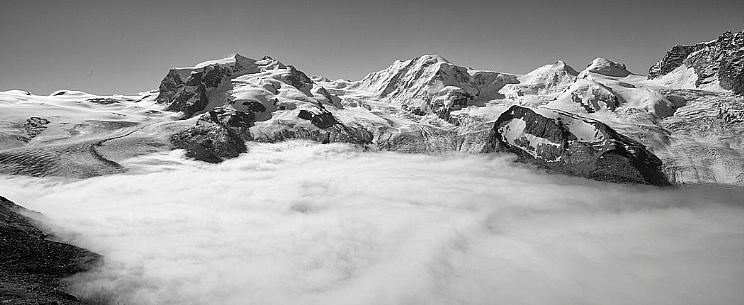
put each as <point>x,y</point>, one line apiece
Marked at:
<point>570,144</point>
<point>717,62</point>
<point>217,135</point>
<point>32,264</point>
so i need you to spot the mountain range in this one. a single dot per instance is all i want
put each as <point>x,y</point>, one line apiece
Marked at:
<point>682,123</point>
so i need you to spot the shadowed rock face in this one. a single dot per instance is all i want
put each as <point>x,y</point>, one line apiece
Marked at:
<point>573,145</point>
<point>32,265</point>
<point>191,95</point>
<point>33,127</point>
<point>721,60</point>
<point>298,79</point>
<point>322,120</point>
<point>218,134</point>
<point>331,130</point>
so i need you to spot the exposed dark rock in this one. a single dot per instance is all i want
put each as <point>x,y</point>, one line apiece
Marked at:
<point>191,95</point>
<point>570,144</point>
<point>324,92</point>
<point>331,129</point>
<point>33,127</point>
<point>457,101</point>
<point>237,122</point>
<point>103,100</point>
<point>298,79</point>
<point>671,60</point>
<point>322,120</point>
<point>114,100</point>
<point>731,71</point>
<point>189,100</point>
<point>169,87</point>
<point>255,106</point>
<point>32,265</point>
<point>218,134</point>
<point>721,60</point>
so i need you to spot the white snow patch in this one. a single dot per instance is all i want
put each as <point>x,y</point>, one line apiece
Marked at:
<point>513,132</point>
<point>583,130</point>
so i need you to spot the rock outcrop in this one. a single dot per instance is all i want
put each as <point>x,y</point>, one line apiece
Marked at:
<point>191,90</point>
<point>191,95</point>
<point>717,62</point>
<point>218,134</point>
<point>32,265</point>
<point>33,127</point>
<point>573,145</point>
<point>331,130</point>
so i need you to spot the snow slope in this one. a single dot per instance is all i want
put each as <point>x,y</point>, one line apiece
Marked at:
<point>424,104</point>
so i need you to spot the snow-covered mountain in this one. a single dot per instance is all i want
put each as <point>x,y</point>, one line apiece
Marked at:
<point>544,81</point>
<point>605,67</point>
<point>681,124</point>
<point>431,84</point>
<point>425,104</point>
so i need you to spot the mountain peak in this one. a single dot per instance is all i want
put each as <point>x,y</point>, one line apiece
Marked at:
<point>563,65</point>
<point>604,66</point>
<point>431,84</point>
<point>431,58</point>
<point>550,78</point>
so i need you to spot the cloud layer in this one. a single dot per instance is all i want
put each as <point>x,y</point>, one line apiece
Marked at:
<point>298,223</point>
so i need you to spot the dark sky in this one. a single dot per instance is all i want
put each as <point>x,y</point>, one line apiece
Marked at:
<point>107,47</point>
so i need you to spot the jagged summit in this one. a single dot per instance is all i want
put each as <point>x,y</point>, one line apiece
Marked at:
<point>714,64</point>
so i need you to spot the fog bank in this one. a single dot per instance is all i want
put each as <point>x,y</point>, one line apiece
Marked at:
<point>301,223</point>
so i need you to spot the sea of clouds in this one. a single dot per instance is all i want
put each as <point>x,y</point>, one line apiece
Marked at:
<point>301,223</point>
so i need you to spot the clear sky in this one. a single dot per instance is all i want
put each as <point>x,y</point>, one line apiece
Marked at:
<point>107,47</point>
